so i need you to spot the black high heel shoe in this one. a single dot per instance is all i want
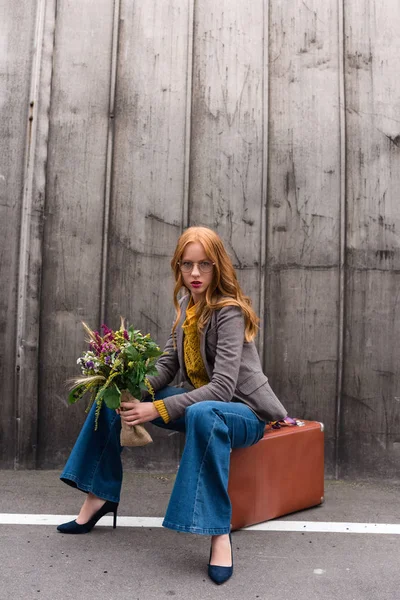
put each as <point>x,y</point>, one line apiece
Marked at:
<point>74,527</point>
<point>220,574</point>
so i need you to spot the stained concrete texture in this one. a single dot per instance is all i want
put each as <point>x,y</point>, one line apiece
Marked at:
<point>37,562</point>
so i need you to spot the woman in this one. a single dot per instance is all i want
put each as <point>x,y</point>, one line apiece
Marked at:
<point>223,403</point>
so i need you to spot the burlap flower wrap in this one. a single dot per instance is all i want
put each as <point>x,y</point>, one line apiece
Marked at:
<point>133,435</point>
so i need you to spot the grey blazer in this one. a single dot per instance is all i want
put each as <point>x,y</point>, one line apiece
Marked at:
<point>233,367</point>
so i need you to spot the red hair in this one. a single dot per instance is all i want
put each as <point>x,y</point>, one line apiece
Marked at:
<point>224,289</point>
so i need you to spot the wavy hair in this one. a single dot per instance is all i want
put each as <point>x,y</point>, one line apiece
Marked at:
<point>224,289</point>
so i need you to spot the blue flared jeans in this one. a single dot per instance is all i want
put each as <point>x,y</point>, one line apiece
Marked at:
<point>199,501</point>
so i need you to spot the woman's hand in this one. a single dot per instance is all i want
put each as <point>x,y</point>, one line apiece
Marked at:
<point>134,413</point>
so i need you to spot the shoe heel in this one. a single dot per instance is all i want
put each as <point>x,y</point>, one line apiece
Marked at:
<point>115,520</point>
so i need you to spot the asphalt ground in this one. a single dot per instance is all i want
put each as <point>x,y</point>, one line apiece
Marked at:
<point>146,563</point>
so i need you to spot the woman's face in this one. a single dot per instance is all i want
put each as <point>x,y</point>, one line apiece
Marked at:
<point>196,280</point>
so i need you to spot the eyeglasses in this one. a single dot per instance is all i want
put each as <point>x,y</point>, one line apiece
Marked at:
<point>204,266</point>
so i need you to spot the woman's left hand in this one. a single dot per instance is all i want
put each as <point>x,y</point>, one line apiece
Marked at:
<point>135,413</point>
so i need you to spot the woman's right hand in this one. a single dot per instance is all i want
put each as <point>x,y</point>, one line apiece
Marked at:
<point>126,406</point>
<point>135,413</point>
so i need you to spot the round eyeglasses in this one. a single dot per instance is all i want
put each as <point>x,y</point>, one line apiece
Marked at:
<point>205,266</point>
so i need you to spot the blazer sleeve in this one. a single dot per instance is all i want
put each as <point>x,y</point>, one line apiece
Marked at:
<point>167,366</point>
<point>230,337</point>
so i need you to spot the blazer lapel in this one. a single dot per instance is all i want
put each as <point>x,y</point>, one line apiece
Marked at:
<point>203,345</point>
<point>179,335</point>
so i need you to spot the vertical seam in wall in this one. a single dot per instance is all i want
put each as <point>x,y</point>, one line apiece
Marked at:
<point>342,220</point>
<point>26,212</point>
<point>264,184</point>
<point>188,118</point>
<point>109,159</point>
<point>49,45</point>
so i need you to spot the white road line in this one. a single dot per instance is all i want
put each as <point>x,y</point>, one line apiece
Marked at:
<point>327,527</point>
<point>277,525</point>
<point>20,519</point>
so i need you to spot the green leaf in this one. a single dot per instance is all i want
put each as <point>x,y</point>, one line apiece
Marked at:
<point>133,332</point>
<point>135,391</point>
<point>77,393</point>
<point>153,352</point>
<point>152,363</point>
<point>131,353</point>
<point>132,377</point>
<point>152,371</point>
<point>111,397</point>
<point>101,393</point>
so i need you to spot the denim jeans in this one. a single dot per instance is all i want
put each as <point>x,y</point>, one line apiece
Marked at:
<point>199,501</point>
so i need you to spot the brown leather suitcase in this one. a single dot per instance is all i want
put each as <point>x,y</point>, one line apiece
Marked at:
<point>281,474</point>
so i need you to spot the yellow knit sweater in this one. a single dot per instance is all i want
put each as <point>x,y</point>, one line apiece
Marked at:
<point>193,362</point>
<point>191,349</point>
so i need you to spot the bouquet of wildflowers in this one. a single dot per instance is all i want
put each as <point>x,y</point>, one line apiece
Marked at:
<point>116,363</point>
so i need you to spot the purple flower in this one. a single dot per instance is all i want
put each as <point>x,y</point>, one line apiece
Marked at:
<point>89,364</point>
<point>126,336</point>
<point>107,360</point>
